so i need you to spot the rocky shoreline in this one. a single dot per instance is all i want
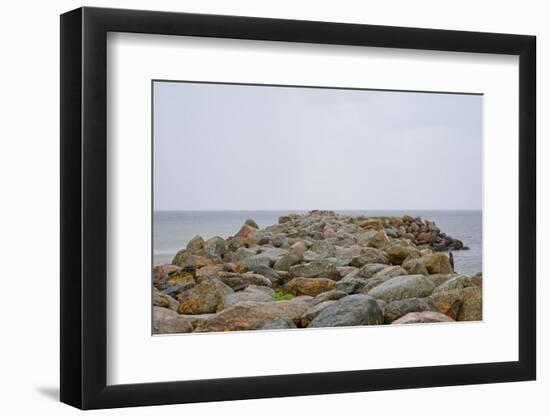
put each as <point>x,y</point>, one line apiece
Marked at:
<point>319,269</point>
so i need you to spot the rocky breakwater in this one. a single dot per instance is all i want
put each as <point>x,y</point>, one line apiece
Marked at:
<point>320,269</point>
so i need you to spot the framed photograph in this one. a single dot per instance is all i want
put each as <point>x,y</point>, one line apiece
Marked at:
<point>258,208</point>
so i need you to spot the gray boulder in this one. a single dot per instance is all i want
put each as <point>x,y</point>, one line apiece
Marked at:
<point>351,285</point>
<point>279,324</point>
<point>214,248</point>
<point>164,300</point>
<point>195,245</point>
<point>241,254</point>
<point>252,223</point>
<point>407,286</point>
<point>288,260</point>
<point>315,269</point>
<point>267,272</point>
<point>415,266</point>
<point>370,256</point>
<point>250,293</point>
<point>369,270</point>
<point>329,295</point>
<point>239,281</point>
<point>323,248</point>
<point>253,261</point>
<point>390,272</point>
<point>439,279</point>
<point>353,310</point>
<point>457,282</point>
<point>314,311</point>
<point>397,309</point>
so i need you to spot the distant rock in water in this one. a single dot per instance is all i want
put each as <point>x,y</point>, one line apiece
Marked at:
<point>319,269</point>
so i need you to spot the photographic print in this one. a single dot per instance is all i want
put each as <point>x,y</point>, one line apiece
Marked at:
<point>287,207</point>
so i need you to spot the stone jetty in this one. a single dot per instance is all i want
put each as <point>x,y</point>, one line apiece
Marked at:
<point>319,269</point>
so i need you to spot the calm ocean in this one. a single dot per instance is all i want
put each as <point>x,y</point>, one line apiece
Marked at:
<point>173,229</point>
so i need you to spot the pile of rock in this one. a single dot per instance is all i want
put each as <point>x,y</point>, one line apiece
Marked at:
<point>320,269</point>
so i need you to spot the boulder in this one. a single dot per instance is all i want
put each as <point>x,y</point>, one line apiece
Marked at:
<point>349,252</point>
<point>390,272</point>
<point>314,311</point>
<point>457,282</point>
<point>309,286</point>
<point>315,269</point>
<point>161,272</point>
<point>329,295</point>
<point>250,315</point>
<point>437,263</point>
<point>280,240</point>
<point>353,310</point>
<point>423,238</point>
<point>397,253</point>
<point>273,254</point>
<point>279,324</point>
<point>347,270</point>
<point>368,270</point>
<point>253,261</point>
<point>310,256</point>
<point>415,266</point>
<point>214,248</point>
<point>379,240</point>
<point>205,297</point>
<point>168,321</point>
<point>407,286</point>
<point>376,224</point>
<point>241,254</point>
<point>177,282</point>
<point>239,281</point>
<point>382,276</point>
<point>234,243</point>
<point>351,285</point>
<point>323,248</point>
<point>370,256</point>
<point>423,317</point>
<point>250,293</point>
<point>477,280</point>
<point>286,261</point>
<point>371,283</point>
<point>163,300</point>
<point>245,230</point>
<point>397,309</point>
<point>196,319</point>
<point>448,302</point>
<point>269,273</point>
<point>363,238</point>
<point>196,245</point>
<point>212,271</point>
<point>251,222</point>
<point>190,261</point>
<point>439,279</point>
<point>298,247</point>
<point>472,305</point>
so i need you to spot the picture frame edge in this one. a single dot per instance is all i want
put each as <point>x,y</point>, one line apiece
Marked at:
<point>83,181</point>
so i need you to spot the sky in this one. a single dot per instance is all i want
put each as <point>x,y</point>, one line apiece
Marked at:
<point>240,147</point>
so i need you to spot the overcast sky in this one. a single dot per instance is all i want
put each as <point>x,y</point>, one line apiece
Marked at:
<point>234,147</point>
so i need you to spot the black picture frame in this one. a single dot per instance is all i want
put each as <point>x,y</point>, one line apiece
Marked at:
<point>84,207</point>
